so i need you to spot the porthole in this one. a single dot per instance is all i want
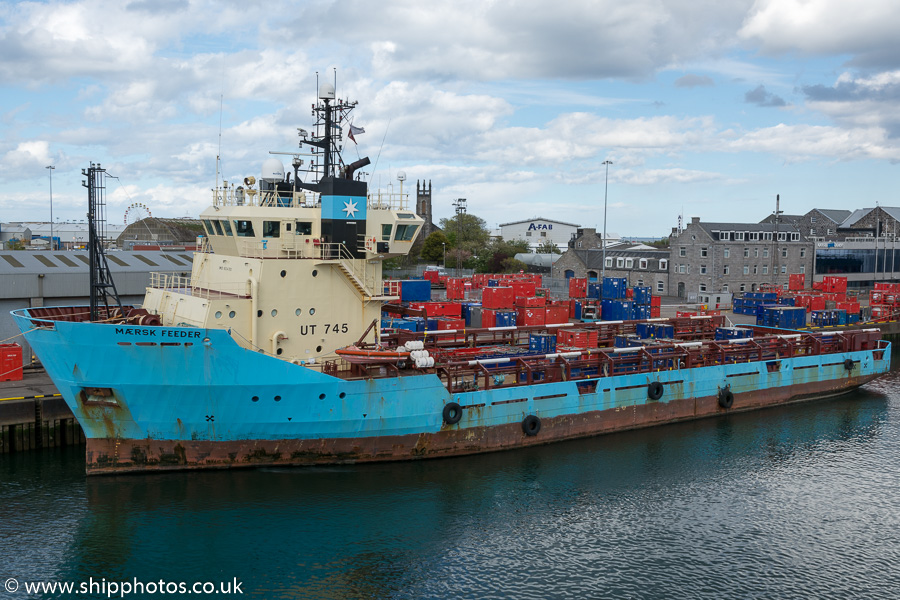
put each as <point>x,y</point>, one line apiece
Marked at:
<point>315,273</point>
<point>342,395</point>
<point>298,312</point>
<point>231,314</point>
<point>312,311</point>
<point>218,314</point>
<point>259,313</point>
<point>321,396</point>
<point>279,351</point>
<point>277,398</point>
<point>274,311</point>
<point>255,399</point>
<point>284,273</point>
<point>318,348</point>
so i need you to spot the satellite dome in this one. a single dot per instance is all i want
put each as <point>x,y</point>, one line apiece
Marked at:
<point>326,91</point>
<point>272,170</point>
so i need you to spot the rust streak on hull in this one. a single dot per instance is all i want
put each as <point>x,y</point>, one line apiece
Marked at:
<point>112,456</point>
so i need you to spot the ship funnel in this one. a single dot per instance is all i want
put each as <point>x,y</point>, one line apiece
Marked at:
<point>352,167</point>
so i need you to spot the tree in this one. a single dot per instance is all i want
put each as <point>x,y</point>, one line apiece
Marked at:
<point>15,244</point>
<point>433,249</point>
<point>548,247</point>
<point>491,259</point>
<point>472,232</point>
<point>511,265</point>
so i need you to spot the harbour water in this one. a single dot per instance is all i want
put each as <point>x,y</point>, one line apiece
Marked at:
<point>792,502</point>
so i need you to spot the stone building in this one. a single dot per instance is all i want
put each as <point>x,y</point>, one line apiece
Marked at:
<point>586,238</point>
<point>878,222</point>
<point>819,223</point>
<point>736,257</point>
<point>423,209</point>
<point>641,265</point>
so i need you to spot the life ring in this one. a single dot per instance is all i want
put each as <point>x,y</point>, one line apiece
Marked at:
<point>655,390</point>
<point>531,425</point>
<point>452,413</point>
<point>848,364</point>
<point>726,398</point>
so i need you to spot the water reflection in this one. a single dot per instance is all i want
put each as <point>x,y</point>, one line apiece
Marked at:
<point>758,504</point>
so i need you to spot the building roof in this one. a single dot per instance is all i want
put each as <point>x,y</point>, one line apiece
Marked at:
<point>837,216</point>
<point>593,257</point>
<point>709,228</point>
<point>855,216</point>
<point>539,219</point>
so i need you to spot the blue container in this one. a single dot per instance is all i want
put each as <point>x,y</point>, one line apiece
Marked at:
<point>506,318</point>
<point>640,311</point>
<point>617,310</point>
<point>419,322</point>
<point>406,324</point>
<point>641,295</point>
<point>645,330</point>
<point>415,290</point>
<point>614,288</point>
<point>431,324</point>
<point>627,341</point>
<point>544,343</point>
<point>493,283</point>
<point>666,332</point>
<point>577,309</point>
<point>594,291</point>
<point>852,318</point>
<point>787,301</point>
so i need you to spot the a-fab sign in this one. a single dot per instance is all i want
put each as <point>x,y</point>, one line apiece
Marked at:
<point>533,226</point>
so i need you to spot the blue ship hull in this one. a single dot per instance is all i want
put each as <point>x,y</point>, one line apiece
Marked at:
<point>155,398</point>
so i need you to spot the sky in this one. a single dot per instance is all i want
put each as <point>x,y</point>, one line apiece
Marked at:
<point>704,108</point>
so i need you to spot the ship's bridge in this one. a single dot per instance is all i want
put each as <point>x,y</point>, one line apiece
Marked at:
<point>287,223</point>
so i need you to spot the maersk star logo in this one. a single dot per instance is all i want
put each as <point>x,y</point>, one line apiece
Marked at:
<point>350,208</point>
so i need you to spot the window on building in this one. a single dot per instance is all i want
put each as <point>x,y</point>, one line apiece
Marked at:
<point>681,268</point>
<point>756,253</point>
<point>660,287</point>
<point>767,236</point>
<point>702,287</point>
<point>755,269</point>
<point>726,252</point>
<point>754,237</point>
<point>784,253</point>
<point>703,269</point>
<point>725,270</point>
<point>739,236</point>
<point>782,236</point>
<point>829,232</point>
<point>663,265</point>
<point>640,282</point>
<point>765,253</point>
<point>703,251</point>
<point>579,243</point>
<point>803,269</point>
<point>527,234</point>
<point>746,269</point>
<point>812,220</point>
<point>682,251</point>
<point>795,236</point>
<point>543,234</point>
<point>609,262</point>
<point>743,287</point>
<point>725,236</point>
<point>784,269</point>
<point>620,262</point>
<point>765,270</point>
<point>802,252</point>
<point>724,287</point>
<point>812,232</point>
<point>642,263</point>
<point>746,252</point>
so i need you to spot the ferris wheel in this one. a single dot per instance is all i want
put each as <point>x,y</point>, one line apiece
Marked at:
<point>136,212</point>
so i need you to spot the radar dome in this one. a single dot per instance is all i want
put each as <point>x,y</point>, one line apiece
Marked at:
<point>272,170</point>
<point>326,91</point>
<point>401,175</point>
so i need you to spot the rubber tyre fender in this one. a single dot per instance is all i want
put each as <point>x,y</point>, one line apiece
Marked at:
<point>726,398</point>
<point>531,425</point>
<point>655,390</point>
<point>452,413</point>
<point>848,364</point>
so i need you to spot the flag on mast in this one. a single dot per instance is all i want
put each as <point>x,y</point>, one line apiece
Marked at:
<point>354,131</point>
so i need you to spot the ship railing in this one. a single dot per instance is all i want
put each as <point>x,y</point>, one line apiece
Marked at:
<point>231,195</point>
<point>354,266</point>
<point>390,200</point>
<point>202,289</point>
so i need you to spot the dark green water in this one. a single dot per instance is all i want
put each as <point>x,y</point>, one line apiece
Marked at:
<point>795,502</point>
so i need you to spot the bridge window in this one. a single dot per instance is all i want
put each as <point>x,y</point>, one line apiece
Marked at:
<point>405,232</point>
<point>208,227</point>
<point>218,225</point>
<point>227,225</point>
<point>386,232</point>
<point>303,228</point>
<point>243,228</point>
<point>271,229</point>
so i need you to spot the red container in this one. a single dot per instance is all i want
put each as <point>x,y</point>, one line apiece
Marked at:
<point>556,314</point>
<point>629,293</point>
<point>497,297</point>
<point>654,311</point>
<point>448,323</point>
<point>578,287</point>
<point>10,362</point>
<point>852,308</point>
<point>578,338</point>
<point>796,281</point>
<point>817,303</point>
<point>655,301</point>
<point>488,317</point>
<point>530,316</point>
<point>523,288</point>
<point>534,301</point>
<point>818,285</point>
<point>456,288</point>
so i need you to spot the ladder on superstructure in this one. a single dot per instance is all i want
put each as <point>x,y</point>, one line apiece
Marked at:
<point>103,289</point>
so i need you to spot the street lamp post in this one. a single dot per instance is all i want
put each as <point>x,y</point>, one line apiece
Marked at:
<point>460,205</point>
<point>51,167</point>
<point>444,246</point>
<point>605,196</point>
